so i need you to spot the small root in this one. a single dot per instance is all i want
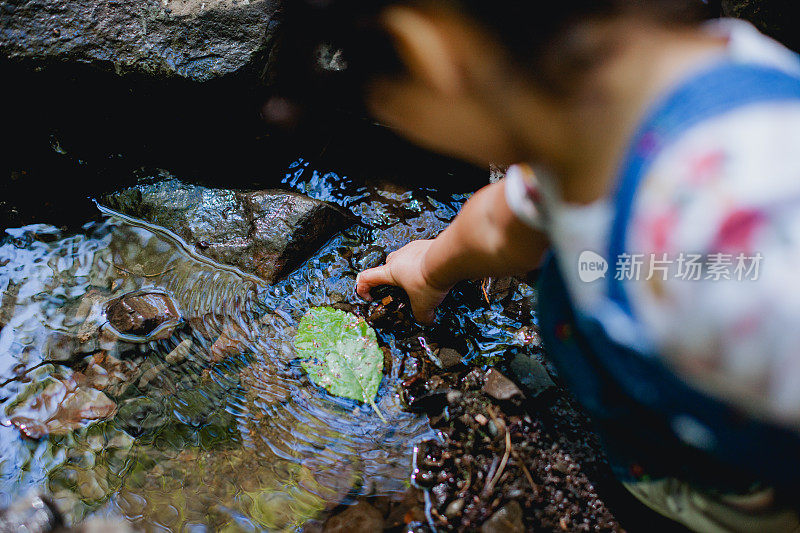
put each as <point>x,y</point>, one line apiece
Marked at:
<point>525,470</point>
<point>492,481</point>
<point>490,485</point>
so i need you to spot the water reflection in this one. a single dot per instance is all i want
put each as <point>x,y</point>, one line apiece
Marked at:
<point>214,426</point>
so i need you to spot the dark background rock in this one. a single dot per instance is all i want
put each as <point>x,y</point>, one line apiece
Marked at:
<point>72,131</point>
<point>195,39</point>
<point>779,19</point>
<point>265,233</point>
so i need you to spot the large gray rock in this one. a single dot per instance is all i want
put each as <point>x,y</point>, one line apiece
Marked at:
<point>194,39</point>
<point>266,233</point>
<point>777,18</point>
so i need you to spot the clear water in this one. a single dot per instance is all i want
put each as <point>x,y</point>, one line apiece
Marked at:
<point>215,427</point>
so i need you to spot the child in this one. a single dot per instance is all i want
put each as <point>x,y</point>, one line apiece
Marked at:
<point>668,191</point>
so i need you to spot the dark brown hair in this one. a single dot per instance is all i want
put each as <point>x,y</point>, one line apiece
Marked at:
<point>541,36</point>
<point>535,34</point>
<point>529,28</point>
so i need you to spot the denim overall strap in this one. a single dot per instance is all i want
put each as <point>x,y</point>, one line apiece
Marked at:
<point>650,420</point>
<point>712,93</point>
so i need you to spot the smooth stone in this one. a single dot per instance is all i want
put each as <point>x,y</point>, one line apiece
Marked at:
<point>508,519</point>
<point>500,387</point>
<point>531,374</point>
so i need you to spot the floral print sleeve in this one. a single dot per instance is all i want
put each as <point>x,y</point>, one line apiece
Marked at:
<point>524,196</point>
<point>717,224</point>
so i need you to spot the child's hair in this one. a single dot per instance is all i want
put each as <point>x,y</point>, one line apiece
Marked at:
<point>527,27</point>
<point>538,35</point>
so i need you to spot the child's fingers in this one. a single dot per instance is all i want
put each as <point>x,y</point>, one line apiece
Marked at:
<point>423,315</point>
<point>373,277</point>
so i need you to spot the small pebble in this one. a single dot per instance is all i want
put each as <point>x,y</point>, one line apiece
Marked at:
<point>454,508</point>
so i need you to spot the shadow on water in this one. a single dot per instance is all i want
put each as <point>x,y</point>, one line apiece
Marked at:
<point>70,132</point>
<point>215,425</point>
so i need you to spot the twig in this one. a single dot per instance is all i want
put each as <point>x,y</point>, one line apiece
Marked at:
<point>143,275</point>
<point>525,470</point>
<point>485,284</point>
<point>74,358</point>
<point>23,374</point>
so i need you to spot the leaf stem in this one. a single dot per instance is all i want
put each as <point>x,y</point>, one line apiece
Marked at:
<point>378,411</point>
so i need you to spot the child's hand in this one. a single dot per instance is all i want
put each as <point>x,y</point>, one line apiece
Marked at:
<point>405,268</point>
<point>485,239</point>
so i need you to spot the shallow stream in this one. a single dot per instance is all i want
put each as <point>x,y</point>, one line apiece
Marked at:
<point>215,426</point>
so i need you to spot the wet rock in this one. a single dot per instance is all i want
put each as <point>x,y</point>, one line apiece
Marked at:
<point>408,510</point>
<point>531,374</point>
<point>107,373</point>
<point>138,415</point>
<point>454,397</point>
<point>429,458</point>
<point>529,336</point>
<point>391,309</point>
<point>97,524</point>
<point>180,353</point>
<point>500,387</point>
<point>312,526</point>
<point>779,19</point>
<point>381,312</point>
<point>481,419</point>
<point>497,172</point>
<point>372,257</point>
<point>59,408</point>
<point>31,513</point>
<point>8,302</point>
<point>361,517</point>
<point>194,39</point>
<point>143,313</point>
<point>448,357</point>
<point>506,520</point>
<point>265,233</point>
<point>387,359</point>
<point>499,288</point>
<point>430,402</point>
<point>81,330</point>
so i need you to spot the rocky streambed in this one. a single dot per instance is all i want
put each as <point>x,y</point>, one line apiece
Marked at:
<point>149,376</point>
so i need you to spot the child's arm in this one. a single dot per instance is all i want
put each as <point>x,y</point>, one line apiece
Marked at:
<point>485,239</point>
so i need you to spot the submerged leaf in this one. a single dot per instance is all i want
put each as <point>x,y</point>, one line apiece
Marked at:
<point>340,353</point>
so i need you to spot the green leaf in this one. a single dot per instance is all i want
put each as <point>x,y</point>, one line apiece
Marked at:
<point>340,353</point>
